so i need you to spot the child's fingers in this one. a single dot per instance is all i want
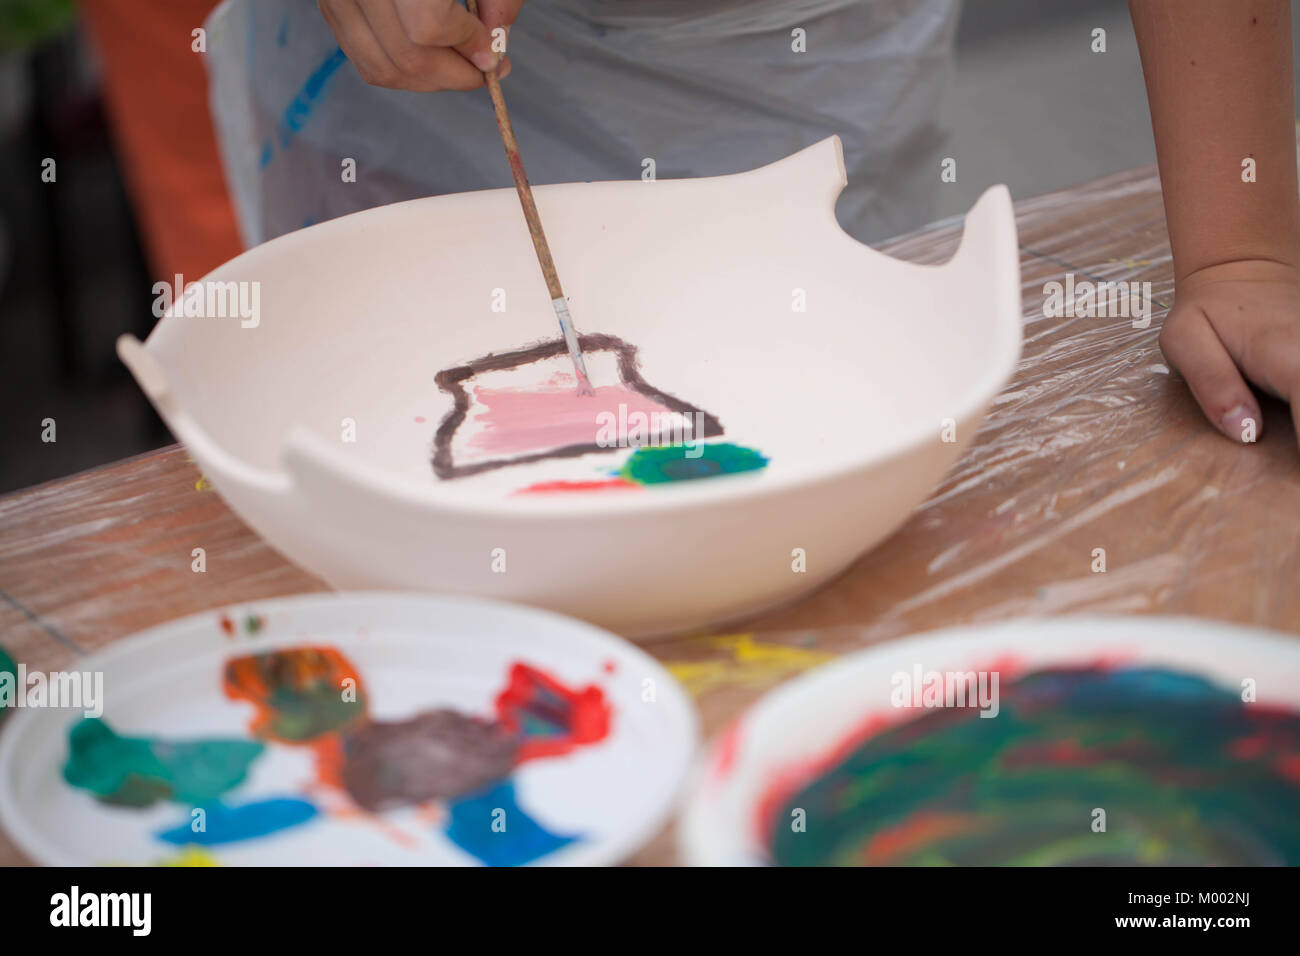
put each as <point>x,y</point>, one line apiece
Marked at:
<point>363,51</point>
<point>1275,366</point>
<point>419,43</point>
<point>445,23</point>
<point>497,15</point>
<point>1193,347</point>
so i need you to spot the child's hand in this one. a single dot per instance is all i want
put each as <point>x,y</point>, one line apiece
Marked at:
<point>419,44</point>
<point>1233,320</point>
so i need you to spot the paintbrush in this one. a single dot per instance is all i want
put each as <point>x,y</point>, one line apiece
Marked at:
<point>534,220</point>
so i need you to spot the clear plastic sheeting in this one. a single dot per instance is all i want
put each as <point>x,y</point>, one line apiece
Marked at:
<point>1094,485</point>
<point>597,88</point>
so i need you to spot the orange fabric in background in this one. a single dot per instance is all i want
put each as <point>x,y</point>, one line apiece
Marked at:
<point>156,89</point>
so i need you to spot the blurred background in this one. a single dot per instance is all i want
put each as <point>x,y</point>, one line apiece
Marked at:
<point>1031,106</point>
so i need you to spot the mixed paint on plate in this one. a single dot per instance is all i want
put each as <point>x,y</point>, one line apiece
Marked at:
<point>459,769</point>
<point>523,407</point>
<point>1186,773</point>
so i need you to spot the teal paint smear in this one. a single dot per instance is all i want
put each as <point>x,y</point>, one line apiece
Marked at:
<point>248,821</point>
<point>8,666</point>
<point>139,772</point>
<point>1187,773</point>
<point>665,463</point>
<point>524,840</point>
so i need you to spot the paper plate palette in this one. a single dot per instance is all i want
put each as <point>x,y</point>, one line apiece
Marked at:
<point>1130,741</point>
<point>354,729</point>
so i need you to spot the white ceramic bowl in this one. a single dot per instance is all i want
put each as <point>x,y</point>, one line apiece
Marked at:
<point>744,298</point>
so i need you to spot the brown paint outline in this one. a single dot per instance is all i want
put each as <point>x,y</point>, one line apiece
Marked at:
<point>450,380</point>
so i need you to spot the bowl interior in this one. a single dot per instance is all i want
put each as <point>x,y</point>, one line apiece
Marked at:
<point>746,303</point>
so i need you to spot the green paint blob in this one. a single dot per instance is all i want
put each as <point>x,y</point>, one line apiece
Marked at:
<point>300,716</point>
<point>1186,773</point>
<point>661,464</point>
<point>300,694</point>
<point>139,772</point>
<point>7,666</point>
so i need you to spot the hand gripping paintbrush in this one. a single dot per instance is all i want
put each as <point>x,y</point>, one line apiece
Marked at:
<point>534,220</point>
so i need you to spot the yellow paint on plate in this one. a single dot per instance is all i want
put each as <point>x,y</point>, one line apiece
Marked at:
<point>190,856</point>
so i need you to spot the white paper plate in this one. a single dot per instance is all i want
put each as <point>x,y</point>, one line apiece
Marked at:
<point>595,804</point>
<point>799,729</point>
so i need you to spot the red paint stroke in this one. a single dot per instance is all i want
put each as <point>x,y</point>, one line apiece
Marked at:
<point>227,625</point>
<point>1069,753</point>
<point>1109,661</point>
<point>552,487</point>
<point>551,718</point>
<point>1250,748</point>
<point>728,748</point>
<point>1288,766</point>
<point>516,165</point>
<point>1007,667</point>
<point>329,754</point>
<point>610,666</point>
<point>905,837</point>
<point>352,813</point>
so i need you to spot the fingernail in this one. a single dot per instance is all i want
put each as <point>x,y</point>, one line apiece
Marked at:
<point>485,61</point>
<point>1240,423</point>
<point>506,67</point>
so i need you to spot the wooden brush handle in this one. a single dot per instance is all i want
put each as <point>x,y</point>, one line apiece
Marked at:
<point>522,187</point>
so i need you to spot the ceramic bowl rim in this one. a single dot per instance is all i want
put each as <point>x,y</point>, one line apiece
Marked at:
<point>1006,332</point>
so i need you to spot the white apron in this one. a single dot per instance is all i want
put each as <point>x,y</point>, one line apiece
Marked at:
<point>598,87</point>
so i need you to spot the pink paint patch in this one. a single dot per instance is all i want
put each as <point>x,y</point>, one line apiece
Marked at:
<point>519,421</point>
<point>420,419</point>
<point>550,487</point>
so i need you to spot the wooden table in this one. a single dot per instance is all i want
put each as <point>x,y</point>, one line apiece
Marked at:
<point>1093,445</point>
